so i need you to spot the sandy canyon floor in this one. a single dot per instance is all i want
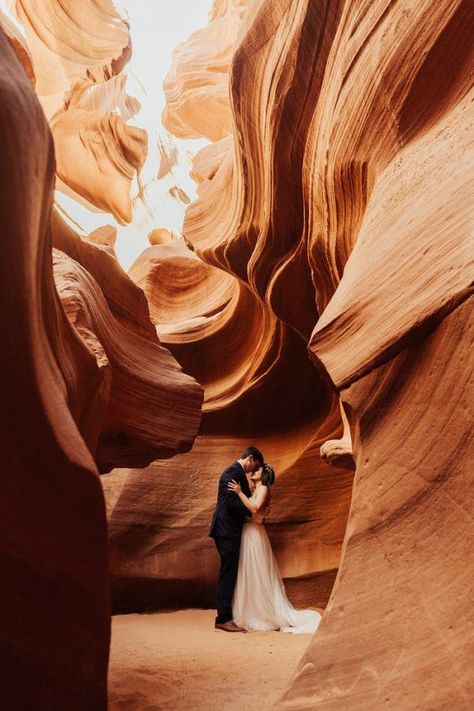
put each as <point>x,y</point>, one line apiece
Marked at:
<point>176,661</point>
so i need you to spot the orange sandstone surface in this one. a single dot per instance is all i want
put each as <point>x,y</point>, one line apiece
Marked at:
<point>318,304</point>
<point>87,387</point>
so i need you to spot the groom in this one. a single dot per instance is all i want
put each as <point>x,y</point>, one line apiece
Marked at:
<point>226,530</point>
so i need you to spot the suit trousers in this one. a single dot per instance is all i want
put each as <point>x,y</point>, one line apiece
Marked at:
<point>228,549</point>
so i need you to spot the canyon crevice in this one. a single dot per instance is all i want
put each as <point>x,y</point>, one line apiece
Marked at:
<point>317,305</point>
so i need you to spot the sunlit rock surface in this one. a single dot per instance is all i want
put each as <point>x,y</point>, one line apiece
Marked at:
<point>18,44</point>
<point>324,262</point>
<point>141,381</point>
<point>97,152</point>
<point>335,209</point>
<point>87,387</point>
<point>78,53</point>
<point>197,86</point>
<point>260,386</point>
<point>257,377</point>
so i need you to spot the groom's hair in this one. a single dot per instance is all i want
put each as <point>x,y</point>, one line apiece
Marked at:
<point>256,454</point>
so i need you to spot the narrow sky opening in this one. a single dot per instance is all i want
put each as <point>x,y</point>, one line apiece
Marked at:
<point>156,27</point>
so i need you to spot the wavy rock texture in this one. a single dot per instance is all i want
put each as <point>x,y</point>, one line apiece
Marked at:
<point>18,44</point>
<point>98,153</point>
<point>259,384</point>
<point>257,378</point>
<point>79,51</point>
<point>335,210</point>
<point>141,380</point>
<point>53,553</point>
<point>197,85</point>
<point>87,387</point>
<point>404,588</point>
<point>159,519</point>
<point>250,214</point>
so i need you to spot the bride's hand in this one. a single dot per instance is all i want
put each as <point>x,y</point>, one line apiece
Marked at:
<point>234,486</point>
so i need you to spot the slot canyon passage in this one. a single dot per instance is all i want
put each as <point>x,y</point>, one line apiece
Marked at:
<point>267,243</point>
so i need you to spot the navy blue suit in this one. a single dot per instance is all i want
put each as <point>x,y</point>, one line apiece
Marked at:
<point>226,529</point>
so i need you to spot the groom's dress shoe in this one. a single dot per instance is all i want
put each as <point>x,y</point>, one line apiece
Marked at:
<point>228,626</point>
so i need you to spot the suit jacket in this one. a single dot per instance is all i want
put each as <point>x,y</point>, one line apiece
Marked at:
<point>230,513</point>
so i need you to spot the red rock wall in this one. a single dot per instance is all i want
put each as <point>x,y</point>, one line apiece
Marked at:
<point>86,387</point>
<point>337,214</point>
<point>217,303</point>
<point>55,609</point>
<point>397,630</point>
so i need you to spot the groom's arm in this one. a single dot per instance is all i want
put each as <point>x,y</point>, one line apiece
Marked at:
<point>231,501</point>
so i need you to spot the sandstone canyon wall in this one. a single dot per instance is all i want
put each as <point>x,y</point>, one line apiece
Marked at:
<point>332,212</point>
<point>326,263</point>
<point>86,385</point>
<point>249,354</point>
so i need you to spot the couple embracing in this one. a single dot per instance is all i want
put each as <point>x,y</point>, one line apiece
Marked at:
<point>250,592</point>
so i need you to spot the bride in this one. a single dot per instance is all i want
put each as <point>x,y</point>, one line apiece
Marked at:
<point>260,601</point>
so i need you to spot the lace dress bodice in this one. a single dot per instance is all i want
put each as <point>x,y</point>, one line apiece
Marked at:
<point>259,517</point>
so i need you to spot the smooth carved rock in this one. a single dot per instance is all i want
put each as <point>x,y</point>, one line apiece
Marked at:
<point>53,551</point>
<point>141,380</point>
<point>79,52</point>
<point>250,215</point>
<point>69,41</point>
<point>17,41</point>
<point>231,343</point>
<point>197,84</point>
<point>430,248</point>
<point>161,556</point>
<point>373,104</point>
<point>98,153</point>
<point>77,385</point>
<point>402,599</point>
<point>160,235</point>
<point>258,380</point>
<point>341,200</point>
<point>259,384</point>
<point>105,237</point>
<point>338,452</point>
<point>145,382</point>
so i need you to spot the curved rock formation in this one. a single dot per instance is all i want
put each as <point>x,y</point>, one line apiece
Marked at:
<point>140,380</point>
<point>53,528</point>
<point>196,87</point>
<point>339,206</point>
<point>230,342</point>
<point>69,41</point>
<point>19,46</point>
<point>405,584</point>
<point>98,154</point>
<point>259,383</point>
<point>332,213</point>
<point>259,386</point>
<point>79,52</point>
<point>86,386</point>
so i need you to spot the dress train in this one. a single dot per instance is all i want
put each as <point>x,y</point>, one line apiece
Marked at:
<point>260,602</point>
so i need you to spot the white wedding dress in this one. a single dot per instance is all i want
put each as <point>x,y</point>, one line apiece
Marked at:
<point>260,602</point>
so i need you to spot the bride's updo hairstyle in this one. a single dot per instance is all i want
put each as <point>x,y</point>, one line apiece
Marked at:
<point>268,475</point>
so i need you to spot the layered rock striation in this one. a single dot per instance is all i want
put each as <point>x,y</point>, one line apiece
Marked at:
<point>338,203</point>
<point>53,551</point>
<point>237,339</point>
<point>86,387</point>
<point>78,52</point>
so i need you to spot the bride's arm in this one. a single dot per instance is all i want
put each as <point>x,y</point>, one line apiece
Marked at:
<point>255,505</point>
